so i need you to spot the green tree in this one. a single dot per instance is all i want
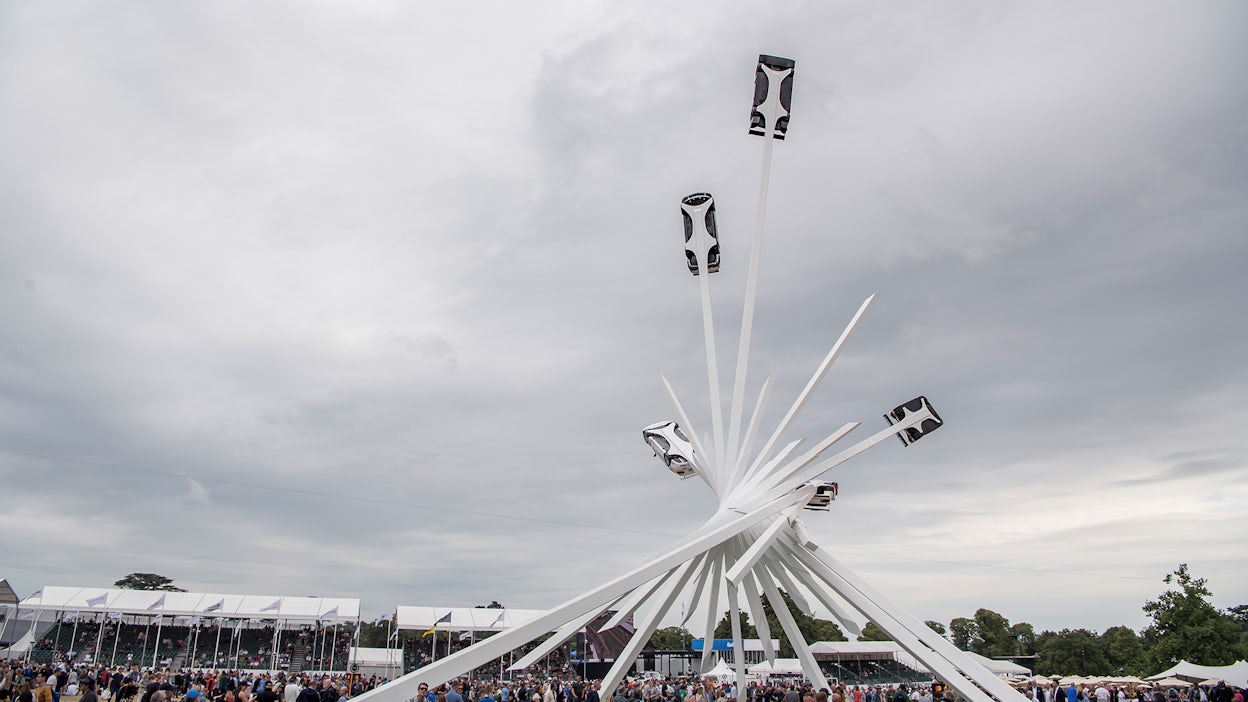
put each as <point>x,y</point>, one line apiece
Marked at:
<point>1024,638</point>
<point>992,634</point>
<point>962,633</point>
<point>936,627</point>
<point>1240,614</point>
<point>1071,652</point>
<point>147,581</point>
<point>1123,650</point>
<point>672,638</point>
<point>1185,625</point>
<point>871,632</point>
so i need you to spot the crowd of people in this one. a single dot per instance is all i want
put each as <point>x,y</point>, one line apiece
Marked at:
<point>1055,692</point>
<point>29,682</point>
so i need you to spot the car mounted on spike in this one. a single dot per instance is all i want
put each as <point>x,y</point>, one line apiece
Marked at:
<point>824,494</point>
<point>773,95</point>
<point>918,407</point>
<point>672,447</point>
<point>701,232</point>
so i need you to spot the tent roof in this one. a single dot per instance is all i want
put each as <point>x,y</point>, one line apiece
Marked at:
<point>377,656</point>
<point>721,670</point>
<point>790,666</point>
<point>1235,673</point>
<point>7,596</point>
<point>153,602</point>
<point>463,618</point>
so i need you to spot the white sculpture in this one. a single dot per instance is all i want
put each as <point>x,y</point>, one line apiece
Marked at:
<point>754,544</point>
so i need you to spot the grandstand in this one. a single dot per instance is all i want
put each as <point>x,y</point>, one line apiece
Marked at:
<point>868,663</point>
<point>180,629</point>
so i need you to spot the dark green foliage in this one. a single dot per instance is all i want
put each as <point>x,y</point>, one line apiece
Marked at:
<point>147,581</point>
<point>1186,626</point>
<point>871,632</point>
<point>672,638</point>
<point>1071,652</point>
<point>1124,651</point>
<point>962,633</point>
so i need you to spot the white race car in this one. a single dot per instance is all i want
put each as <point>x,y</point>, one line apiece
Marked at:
<point>672,447</point>
<point>701,234</point>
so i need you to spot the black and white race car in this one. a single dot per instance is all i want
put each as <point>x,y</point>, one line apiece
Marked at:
<point>671,446</point>
<point>701,234</point>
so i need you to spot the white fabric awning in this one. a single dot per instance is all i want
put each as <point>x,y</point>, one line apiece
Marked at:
<point>462,618</point>
<point>1235,673</point>
<point>721,671</point>
<point>202,604</point>
<point>783,666</point>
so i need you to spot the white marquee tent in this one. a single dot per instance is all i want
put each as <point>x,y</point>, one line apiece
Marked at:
<point>203,604</point>
<point>1235,673</point>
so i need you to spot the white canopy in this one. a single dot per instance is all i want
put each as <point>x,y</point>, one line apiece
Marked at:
<point>202,604</point>
<point>783,666</point>
<point>1235,673</point>
<point>462,618</point>
<point>721,671</point>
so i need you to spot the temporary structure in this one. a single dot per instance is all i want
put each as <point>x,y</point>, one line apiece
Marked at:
<point>1236,672</point>
<point>722,671</point>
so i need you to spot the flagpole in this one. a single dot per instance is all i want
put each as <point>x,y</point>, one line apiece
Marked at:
<point>160,625</point>
<point>113,661</point>
<point>216,647</point>
<point>333,646</point>
<point>56,643</point>
<point>73,633</point>
<point>147,629</point>
<point>34,633</point>
<point>277,632</point>
<point>99,634</point>
<point>198,628</point>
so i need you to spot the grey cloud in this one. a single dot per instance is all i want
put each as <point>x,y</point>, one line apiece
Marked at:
<point>411,326</point>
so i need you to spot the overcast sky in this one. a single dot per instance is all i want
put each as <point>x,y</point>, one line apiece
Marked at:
<point>363,299</point>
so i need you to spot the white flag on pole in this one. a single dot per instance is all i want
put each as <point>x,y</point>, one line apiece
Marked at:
<point>331,612</point>
<point>215,606</point>
<point>98,600</point>
<point>28,614</point>
<point>272,606</point>
<point>36,594</point>
<point>158,604</point>
<point>115,616</point>
<point>500,619</point>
